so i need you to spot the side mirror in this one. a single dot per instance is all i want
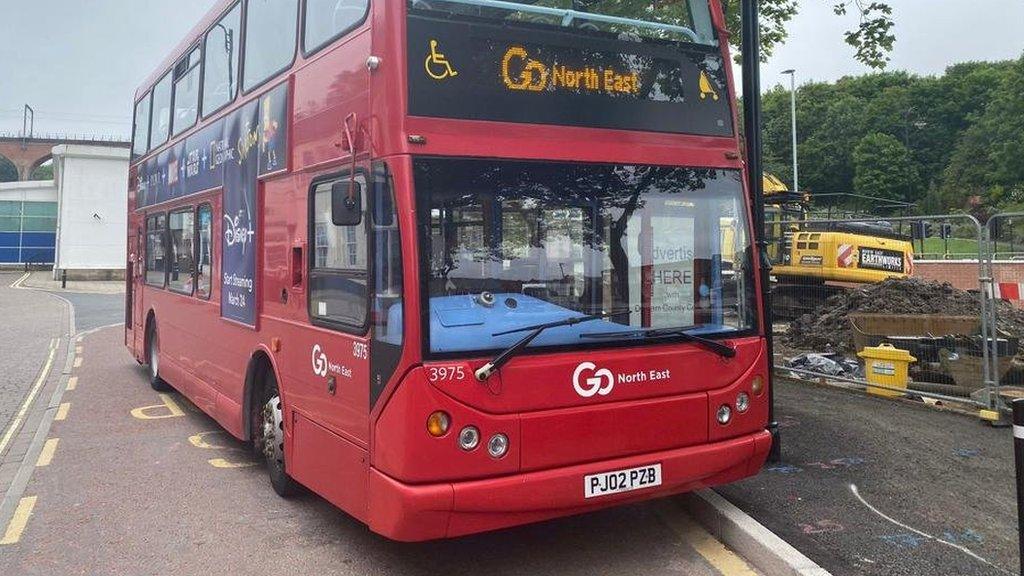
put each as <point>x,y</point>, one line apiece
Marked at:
<point>346,203</point>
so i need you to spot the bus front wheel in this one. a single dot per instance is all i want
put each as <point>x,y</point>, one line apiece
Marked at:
<point>271,438</point>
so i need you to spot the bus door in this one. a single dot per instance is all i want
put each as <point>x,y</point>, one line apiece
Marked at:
<point>133,317</point>
<point>335,390</point>
<point>386,305</point>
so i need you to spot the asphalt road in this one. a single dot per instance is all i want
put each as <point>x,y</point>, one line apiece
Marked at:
<point>134,483</point>
<point>942,475</point>
<point>95,310</point>
<point>936,493</point>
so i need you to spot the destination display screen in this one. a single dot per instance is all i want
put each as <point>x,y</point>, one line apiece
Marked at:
<point>482,71</point>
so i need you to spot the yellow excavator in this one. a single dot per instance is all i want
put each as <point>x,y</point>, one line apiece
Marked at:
<point>812,261</point>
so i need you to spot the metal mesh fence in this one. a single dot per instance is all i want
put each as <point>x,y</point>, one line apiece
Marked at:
<point>858,300</point>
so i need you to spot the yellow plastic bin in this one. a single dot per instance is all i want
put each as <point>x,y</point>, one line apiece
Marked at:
<point>886,366</point>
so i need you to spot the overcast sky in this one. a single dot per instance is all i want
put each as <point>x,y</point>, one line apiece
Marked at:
<point>78,62</point>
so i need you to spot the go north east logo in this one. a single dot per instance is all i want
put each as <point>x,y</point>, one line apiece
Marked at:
<point>319,361</point>
<point>589,381</point>
<point>522,73</point>
<point>322,366</point>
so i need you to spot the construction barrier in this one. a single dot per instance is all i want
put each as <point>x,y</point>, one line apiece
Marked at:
<point>843,286</point>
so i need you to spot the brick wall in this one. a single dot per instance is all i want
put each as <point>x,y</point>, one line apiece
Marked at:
<point>963,274</point>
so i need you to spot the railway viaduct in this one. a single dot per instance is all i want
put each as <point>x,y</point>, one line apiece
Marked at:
<point>27,154</point>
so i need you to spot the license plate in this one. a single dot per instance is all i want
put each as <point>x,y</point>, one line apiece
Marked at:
<point>618,481</point>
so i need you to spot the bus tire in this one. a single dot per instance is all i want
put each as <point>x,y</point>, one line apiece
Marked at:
<point>270,437</point>
<point>153,360</point>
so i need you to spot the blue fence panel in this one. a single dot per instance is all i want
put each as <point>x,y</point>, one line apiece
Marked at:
<point>9,256</point>
<point>38,255</point>
<point>39,240</point>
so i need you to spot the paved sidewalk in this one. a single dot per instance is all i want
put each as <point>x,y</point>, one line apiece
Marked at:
<point>43,280</point>
<point>30,321</point>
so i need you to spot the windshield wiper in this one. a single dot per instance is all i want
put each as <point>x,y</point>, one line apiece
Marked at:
<point>501,359</point>
<point>723,350</point>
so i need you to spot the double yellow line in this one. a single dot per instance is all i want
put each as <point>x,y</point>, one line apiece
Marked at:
<point>20,416</point>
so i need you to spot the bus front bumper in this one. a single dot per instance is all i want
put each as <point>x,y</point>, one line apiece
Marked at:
<point>408,512</point>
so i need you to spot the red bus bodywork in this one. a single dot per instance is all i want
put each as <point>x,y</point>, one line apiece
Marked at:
<point>374,459</point>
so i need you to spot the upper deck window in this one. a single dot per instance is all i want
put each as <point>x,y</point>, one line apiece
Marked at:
<point>269,39</point>
<point>160,128</point>
<point>221,47</point>
<point>140,139</point>
<point>186,92</point>
<point>632,20</point>
<point>326,20</point>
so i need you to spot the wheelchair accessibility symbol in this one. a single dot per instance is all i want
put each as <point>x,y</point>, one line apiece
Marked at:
<point>437,64</point>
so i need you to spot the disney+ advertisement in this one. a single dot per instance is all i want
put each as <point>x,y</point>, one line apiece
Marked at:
<point>233,153</point>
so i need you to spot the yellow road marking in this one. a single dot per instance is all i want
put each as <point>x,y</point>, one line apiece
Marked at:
<point>167,403</point>
<point>78,362</point>
<point>725,561</point>
<point>222,463</point>
<point>62,411</point>
<point>46,456</point>
<point>18,522</point>
<point>13,427</point>
<point>72,383</point>
<point>198,441</point>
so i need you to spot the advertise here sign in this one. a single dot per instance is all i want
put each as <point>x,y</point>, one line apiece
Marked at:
<point>667,285</point>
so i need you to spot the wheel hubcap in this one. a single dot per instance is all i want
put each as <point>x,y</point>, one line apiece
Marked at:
<point>273,431</point>
<point>154,358</point>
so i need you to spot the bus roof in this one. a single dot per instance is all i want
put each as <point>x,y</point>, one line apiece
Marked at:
<point>193,35</point>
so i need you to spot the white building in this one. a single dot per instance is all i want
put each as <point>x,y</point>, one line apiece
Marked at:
<point>92,202</point>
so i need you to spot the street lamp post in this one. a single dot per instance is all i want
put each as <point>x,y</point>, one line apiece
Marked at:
<point>792,105</point>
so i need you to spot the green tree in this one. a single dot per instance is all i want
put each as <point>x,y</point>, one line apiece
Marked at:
<point>872,39</point>
<point>43,172</point>
<point>883,169</point>
<point>987,160</point>
<point>8,172</point>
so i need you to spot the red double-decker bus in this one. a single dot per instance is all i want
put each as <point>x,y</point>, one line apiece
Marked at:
<point>455,265</point>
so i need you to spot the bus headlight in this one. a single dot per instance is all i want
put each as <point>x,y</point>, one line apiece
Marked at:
<point>742,402</point>
<point>724,414</point>
<point>497,446</point>
<point>437,424</point>
<point>469,438</point>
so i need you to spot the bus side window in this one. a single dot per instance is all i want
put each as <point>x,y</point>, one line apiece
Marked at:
<point>270,30</point>
<point>220,71</point>
<point>338,267</point>
<point>326,20</point>
<point>186,92</point>
<point>204,252</point>
<point>156,250</point>
<point>140,135</point>
<point>180,261</point>
<point>387,261</point>
<point>160,127</point>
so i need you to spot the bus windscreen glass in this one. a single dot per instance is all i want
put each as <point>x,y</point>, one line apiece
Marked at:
<point>635,65</point>
<point>512,244</point>
<point>636,20</point>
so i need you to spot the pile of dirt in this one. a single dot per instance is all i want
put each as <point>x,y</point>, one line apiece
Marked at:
<point>828,328</point>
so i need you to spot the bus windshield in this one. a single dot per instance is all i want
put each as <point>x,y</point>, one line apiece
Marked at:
<point>508,244</point>
<point>636,20</point>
